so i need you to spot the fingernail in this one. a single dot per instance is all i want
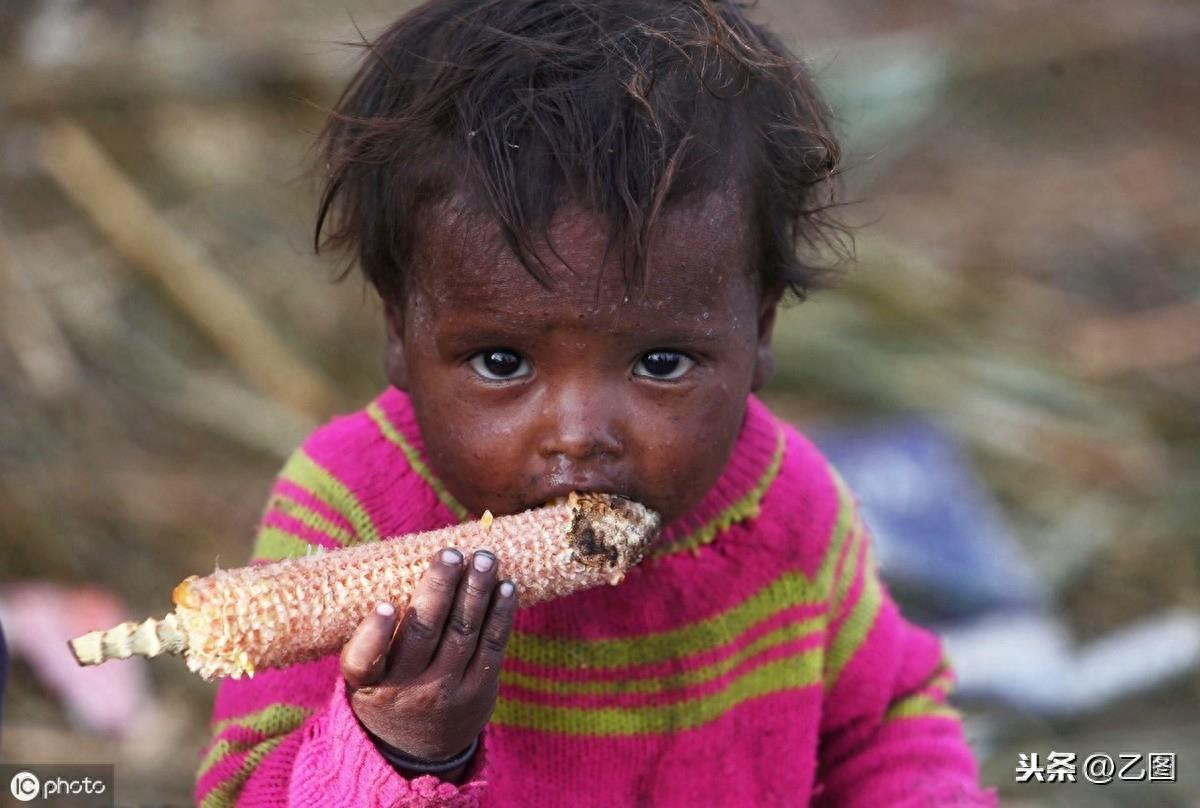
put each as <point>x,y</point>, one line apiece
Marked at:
<point>451,557</point>
<point>506,589</point>
<point>483,561</point>
<point>385,610</point>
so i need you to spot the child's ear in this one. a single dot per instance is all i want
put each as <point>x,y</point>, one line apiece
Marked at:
<point>764,361</point>
<point>394,364</point>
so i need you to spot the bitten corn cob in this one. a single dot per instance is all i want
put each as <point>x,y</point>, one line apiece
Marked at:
<point>242,620</point>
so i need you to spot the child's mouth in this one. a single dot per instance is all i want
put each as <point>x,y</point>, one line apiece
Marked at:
<point>562,492</point>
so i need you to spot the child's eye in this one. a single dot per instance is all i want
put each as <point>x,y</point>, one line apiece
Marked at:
<point>499,364</point>
<point>663,365</point>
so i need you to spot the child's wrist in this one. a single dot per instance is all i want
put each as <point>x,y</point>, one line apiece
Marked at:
<point>410,766</point>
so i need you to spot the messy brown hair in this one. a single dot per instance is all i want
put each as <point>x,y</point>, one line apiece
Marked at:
<point>622,106</point>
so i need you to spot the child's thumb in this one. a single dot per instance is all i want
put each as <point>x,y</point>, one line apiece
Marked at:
<point>364,656</point>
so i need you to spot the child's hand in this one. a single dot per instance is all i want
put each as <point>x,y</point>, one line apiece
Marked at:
<point>430,691</point>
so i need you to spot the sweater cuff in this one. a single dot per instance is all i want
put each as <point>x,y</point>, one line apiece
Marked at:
<point>338,765</point>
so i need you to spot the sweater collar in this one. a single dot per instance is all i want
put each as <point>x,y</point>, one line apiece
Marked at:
<point>734,497</point>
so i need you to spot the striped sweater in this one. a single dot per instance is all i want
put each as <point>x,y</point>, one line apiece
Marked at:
<point>754,658</point>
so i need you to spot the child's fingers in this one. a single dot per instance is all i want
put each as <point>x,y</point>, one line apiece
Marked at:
<point>461,634</point>
<point>485,665</point>
<point>364,656</point>
<point>421,627</point>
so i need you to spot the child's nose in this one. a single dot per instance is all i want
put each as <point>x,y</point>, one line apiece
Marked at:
<point>581,425</point>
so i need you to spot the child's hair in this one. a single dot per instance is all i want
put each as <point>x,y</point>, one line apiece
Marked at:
<point>517,107</point>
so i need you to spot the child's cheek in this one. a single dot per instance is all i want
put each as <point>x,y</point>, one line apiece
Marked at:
<point>478,460</point>
<point>680,454</point>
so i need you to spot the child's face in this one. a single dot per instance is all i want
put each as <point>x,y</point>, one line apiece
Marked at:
<point>525,393</point>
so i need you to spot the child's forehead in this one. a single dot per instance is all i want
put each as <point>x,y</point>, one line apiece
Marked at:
<point>699,246</point>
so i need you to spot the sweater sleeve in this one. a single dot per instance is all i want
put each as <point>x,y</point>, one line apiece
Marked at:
<point>289,737</point>
<point>888,734</point>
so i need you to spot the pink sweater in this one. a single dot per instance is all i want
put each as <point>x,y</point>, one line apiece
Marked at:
<point>754,659</point>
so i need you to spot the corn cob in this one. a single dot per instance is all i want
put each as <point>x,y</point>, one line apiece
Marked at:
<point>237,621</point>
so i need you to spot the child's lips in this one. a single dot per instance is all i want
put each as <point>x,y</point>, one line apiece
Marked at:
<point>579,485</point>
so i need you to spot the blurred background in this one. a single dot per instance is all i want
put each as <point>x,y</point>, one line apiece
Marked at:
<point>1009,375</point>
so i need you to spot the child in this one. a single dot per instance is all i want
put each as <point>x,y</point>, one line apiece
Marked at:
<point>581,217</point>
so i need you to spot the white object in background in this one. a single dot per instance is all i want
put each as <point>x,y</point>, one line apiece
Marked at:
<point>1029,660</point>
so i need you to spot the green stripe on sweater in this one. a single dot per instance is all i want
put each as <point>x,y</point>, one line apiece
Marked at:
<point>799,670</point>
<point>854,629</point>
<point>920,707</point>
<point>845,575</point>
<point>309,518</point>
<point>415,462</point>
<point>790,589</point>
<point>273,544</point>
<point>225,793</point>
<point>672,681</point>
<point>278,719</point>
<point>305,472</point>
